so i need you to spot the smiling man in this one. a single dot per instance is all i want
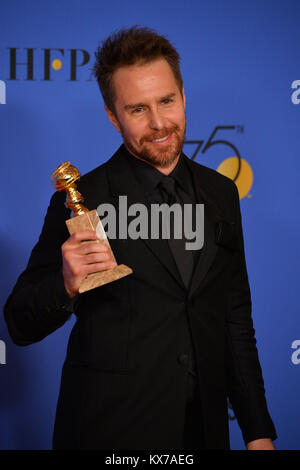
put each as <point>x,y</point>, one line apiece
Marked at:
<point>154,356</point>
<point>149,112</point>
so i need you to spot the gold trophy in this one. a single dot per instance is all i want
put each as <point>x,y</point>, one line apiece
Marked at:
<point>63,179</point>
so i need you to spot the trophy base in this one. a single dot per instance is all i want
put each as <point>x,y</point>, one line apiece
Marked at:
<point>90,221</point>
<point>104,277</point>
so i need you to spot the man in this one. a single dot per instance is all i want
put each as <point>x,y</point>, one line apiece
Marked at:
<point>153,356</point>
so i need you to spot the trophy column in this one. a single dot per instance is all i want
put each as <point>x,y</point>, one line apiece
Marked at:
<point>63,179</point>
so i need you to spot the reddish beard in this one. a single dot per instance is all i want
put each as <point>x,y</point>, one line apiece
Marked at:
<point>162,157</point>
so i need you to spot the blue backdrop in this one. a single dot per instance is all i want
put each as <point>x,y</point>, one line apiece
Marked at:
<point>240,66</point>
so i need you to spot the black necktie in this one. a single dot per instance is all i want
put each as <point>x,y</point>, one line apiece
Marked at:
<point>183,257</point>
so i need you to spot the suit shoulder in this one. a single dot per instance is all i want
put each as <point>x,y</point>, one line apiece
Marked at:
<point>213,178</point>
<point>94,180</point>
<point>94,174</point>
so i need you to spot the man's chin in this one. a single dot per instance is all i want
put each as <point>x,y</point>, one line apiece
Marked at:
<point>161,158</point>
<point>163,161</point>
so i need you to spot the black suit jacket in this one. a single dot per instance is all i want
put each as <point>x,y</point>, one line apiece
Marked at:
<point>124,380</point>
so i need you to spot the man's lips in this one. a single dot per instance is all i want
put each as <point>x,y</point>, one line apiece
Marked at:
<point>162,140</point>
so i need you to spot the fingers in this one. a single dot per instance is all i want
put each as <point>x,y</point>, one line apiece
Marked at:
<point>91,247</point>
<point>85,242</point>
<point>82,254</point>
<point>91,258</point>
<point>90,253</point>
<point>96,267</point>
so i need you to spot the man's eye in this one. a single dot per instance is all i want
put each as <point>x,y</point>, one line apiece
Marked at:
<point>137,110</point>
<point>167,101</point>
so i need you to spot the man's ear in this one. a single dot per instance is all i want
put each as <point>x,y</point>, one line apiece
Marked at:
<point>112,118</point>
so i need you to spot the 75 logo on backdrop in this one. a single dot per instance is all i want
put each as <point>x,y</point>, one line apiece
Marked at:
<point>234,166</point>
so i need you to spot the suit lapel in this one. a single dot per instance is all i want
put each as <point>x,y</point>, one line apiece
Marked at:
<point>122,182</point>
<point>211,216</point>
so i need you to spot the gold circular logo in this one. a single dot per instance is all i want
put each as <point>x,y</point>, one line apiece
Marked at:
<point>244,180</point>
<point>56,64</point>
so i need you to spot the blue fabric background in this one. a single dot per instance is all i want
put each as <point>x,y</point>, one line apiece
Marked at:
<point>239,60</point>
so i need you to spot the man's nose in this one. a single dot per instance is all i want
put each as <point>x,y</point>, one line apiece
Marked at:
<point>156,120</point>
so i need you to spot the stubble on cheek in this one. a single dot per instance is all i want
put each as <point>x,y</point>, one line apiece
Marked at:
<point>162,156</point>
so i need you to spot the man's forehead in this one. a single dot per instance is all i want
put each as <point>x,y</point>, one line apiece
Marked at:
<point>137,82</point>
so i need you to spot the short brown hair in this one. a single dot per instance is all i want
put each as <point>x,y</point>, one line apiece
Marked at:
<point>129,47</point>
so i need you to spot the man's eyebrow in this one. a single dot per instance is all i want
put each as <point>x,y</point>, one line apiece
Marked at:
<point>140,105</point>
<point>170,95</point>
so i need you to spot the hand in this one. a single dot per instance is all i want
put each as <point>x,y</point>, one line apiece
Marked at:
<point>261,444</point>
<point>80,259</point>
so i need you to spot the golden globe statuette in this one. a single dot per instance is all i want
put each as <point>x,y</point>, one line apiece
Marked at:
<point>64,178</point>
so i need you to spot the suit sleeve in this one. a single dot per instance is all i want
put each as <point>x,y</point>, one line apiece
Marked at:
<point>245,380</point>
<point>39,303</point>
